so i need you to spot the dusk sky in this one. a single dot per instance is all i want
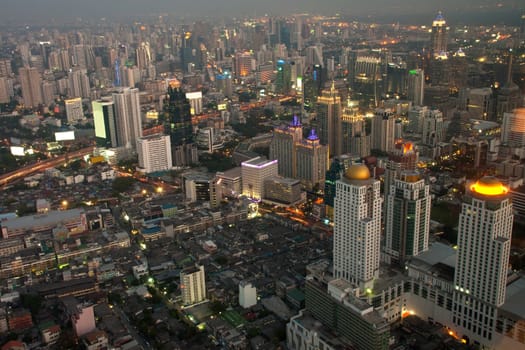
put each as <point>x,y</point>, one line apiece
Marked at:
<point>31,10</point>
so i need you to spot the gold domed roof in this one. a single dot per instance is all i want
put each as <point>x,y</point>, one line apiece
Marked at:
<point>489,186</point>
<point>357,172</point>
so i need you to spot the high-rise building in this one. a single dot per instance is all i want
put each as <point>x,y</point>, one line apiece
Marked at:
<point>312,161</point>
<point>128,114</point>
<point>177,121</point>
<point>357,227</point>
<point>253,173</point>
<point>78,83</point>
<point>416,84</point>
<point>143,54</point>
<point>508,97</point>
<point>484,237</point>
<point>329,120</point>
<point>154,153</point>
<point>383,130</point>
<point>193,285</point>
<point>439,36</point>
<point>355,141</point>
<point>513,128</point>
<point>195,99</point>
<point>105,120</point>
<point>407,217</point>
<point>244,64</point>
<point>6,89</point>
<point>283,146</point>
<point>334,173</point>
<point>74,110</point>
<point>247,294</point>
<point>403,157</point>
<point>31,82</point>
<point>433,128</point>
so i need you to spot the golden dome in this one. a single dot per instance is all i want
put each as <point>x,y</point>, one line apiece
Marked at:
<point>489,186</point>
<point>357,172</point>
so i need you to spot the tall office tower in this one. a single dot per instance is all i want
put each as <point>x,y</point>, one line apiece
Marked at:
<point>477,102</point>
<point>129,120</point>
<point>49,91</point>
<point>314,56</point>
<point>329,120</point>
<point>224,83</point>
<point>253,173</point>
<point>74,111</point>
<point>357,227</point>
<point>79,56</point>
<point>407,217</point>
<point>439,36</point>
<point>195,99</point>
<point>416,84</point>
<point>282,147</point>
<point>283,78</point>
<point>105,120</point>
<point>403,157</point>
<point>78,84</point>
<point>193,285</point>
<point>513,128</point>
<point>433,130</point>
<point>311,161</point>
<point>354,138</point>
<point>508,97</point>
<point>154,153</point>
<point>31,82</point>
<point>244,64</point>
<point>383,123</point>
<point>415,119</point>
<point>484,237</point>
<point>368,76</point>
<point>143,55</point>
<point>177,124</point>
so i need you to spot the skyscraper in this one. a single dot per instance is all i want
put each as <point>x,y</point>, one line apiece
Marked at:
<point>31,82</point>
<point>254,172</point>
<point>283,144</point>
<point>312,161</point>
<point>74,110</point>
<point>105,124</point>
<point>484,237</point>
<point>357,229</point>
<point>193,285</point>
<point>403,157</point>
<point>329,120</point>
<point>383,131</point>
<point>354,138</point>
<point>439,36</point>
<point>433,131</point>
<point>416,84</point>
<point>407,215</point>
<point>129,121</point>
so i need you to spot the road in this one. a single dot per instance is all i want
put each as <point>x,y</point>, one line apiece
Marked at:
<point>131,330</point>
<point>5,179</point>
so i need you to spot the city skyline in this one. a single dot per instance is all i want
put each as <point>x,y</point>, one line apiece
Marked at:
<point>59,11</point>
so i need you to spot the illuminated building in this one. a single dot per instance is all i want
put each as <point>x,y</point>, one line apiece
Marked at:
<point>226,184</point>
<point>432,128</point>
<point>244,64</point>
<point>196,187</point>
<point>329,119</point>
<point>74,110</point>
<point>224,83</point>
<point>484,237</point>
<point>177,124</point>
<point>154,153</point>
<point>357,227</point>
<point>407,217</point>
<point>253,173</point>
<point>195,99</point>
<point>283,82</point>
<point>193,285</point>
<point>439,35</point>
<point>513,128</point>
<point>282,147</point>
<point>312,161</point>
<point>403,157</point>
<point>334,173</point>
<point>508,97</point>
<point>354,139</point>
<point>416,84</point>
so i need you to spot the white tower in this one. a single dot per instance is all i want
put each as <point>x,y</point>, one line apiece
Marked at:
<point>129,122</point>
<point>484,237</point>
<point>193,285</point>
<point>357,230</point>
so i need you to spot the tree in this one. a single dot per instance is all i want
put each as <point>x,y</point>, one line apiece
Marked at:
<point>122,184</point>
<point>33,302</point>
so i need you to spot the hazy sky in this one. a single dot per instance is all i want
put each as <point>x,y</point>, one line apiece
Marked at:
<point>31,10</point>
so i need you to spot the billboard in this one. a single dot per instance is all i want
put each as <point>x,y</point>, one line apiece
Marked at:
<point>17,151</point>
<point>64,135</point>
